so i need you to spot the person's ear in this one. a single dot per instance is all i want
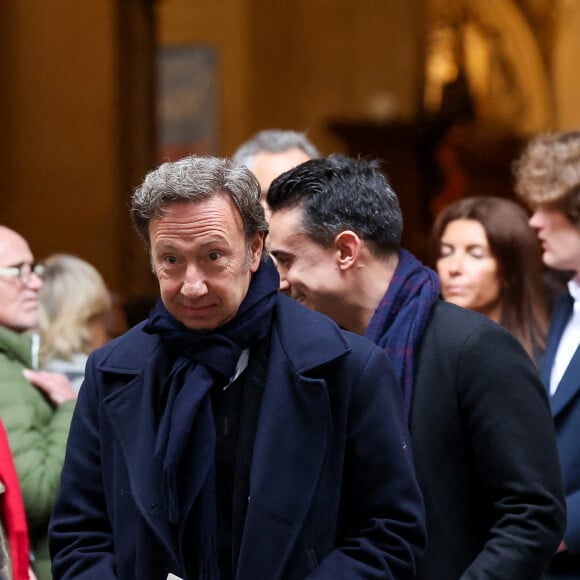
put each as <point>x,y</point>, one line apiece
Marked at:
<point>256,249</point>
<point>348,247</point>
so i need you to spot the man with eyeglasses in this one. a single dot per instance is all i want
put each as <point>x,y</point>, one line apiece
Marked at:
<point>35,406</point>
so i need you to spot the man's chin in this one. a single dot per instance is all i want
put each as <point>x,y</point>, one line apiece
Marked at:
<point>24,325</point>
<point>550,261</point>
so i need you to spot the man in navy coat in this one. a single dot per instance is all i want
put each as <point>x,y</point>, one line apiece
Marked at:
<point>548,179</point>
<point>483,439</point>
<point>234,433</point>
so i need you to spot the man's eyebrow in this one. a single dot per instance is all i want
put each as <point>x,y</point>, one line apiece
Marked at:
<point>213,241</point>
<point>172,245</point>
<point>281,254</point>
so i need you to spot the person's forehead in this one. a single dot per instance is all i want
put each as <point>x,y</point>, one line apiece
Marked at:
<point>13,248</point>
<point>553,214</point>
<point>266,166</point>
<point>285,222</point>
<point>287,235</point>
<point>467,229</point>
<point>191,218</point>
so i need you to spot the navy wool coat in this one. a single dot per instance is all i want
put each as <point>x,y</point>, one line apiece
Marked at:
<point>332,487</point>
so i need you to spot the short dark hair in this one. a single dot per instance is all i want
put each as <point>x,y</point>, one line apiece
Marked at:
<point>338,193</point>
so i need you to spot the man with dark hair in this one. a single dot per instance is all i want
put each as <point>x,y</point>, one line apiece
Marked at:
<point>234,433</point>
<point>483,440</point>
<point>548,180</point>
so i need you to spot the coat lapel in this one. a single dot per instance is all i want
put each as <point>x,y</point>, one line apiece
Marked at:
<point>570,382</point>
<point>560,316</point>
<point>568,387</point>
<point>293,433</point>
<point>131,411</point>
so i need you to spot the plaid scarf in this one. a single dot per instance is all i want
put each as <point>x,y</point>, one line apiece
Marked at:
<point>399,321</point>
<point>187,422</point>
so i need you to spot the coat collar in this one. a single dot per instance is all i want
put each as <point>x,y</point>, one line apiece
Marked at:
<point>299,330</point>
<point>126,355</point>
<point>16,345</point>
<point>569,384</point>
<point>560,315</point>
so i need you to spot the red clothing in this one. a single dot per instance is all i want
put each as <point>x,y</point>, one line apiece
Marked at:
<point>12,512</point>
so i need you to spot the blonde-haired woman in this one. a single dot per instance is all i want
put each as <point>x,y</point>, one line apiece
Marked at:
<point>74,305</point>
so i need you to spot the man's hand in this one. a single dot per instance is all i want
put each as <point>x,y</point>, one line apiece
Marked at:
<point>56,386</point>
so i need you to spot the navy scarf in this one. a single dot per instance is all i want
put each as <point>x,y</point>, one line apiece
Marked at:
<point>399,321</point>
<point>200,358</point>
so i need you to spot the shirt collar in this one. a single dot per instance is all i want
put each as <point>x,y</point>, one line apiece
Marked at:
<point>574,289</point>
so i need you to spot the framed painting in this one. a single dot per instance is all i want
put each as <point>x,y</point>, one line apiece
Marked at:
<point>187,101</point>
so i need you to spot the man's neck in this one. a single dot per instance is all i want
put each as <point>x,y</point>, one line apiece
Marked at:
<point>371,282</point>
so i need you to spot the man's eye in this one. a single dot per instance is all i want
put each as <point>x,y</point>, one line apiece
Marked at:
<point>171,260</point>
<point>283,261</point>
<point>213,256</point>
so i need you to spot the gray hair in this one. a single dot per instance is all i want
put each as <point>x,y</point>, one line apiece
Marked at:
<point>273,141</point>
<point>195,179</point>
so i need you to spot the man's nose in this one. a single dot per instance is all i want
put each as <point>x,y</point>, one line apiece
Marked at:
<point>34,282</point>
<point>194,284</point>
<point>284,285</point>
<point>535,220</point>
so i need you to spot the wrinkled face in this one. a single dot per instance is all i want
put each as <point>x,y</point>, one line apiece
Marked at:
<point>559,237</point>
<point>267,166</point>
<point>308,271</point>
<point>203,261</point>
<point>18,301</point>
<point>467,269</point>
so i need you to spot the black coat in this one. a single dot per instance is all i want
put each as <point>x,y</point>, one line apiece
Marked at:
<point>485,453</point>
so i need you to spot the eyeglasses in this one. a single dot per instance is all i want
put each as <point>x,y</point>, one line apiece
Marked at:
<point>23,271</point>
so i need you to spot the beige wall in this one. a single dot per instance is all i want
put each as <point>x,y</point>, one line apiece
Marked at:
<point>58,114</point>
<point>303,63</point>
<point>225,25</point>
<point>565,65</point>
<point>323,60</point>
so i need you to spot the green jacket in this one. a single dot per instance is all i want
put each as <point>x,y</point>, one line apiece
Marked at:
<point>37,432</point>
